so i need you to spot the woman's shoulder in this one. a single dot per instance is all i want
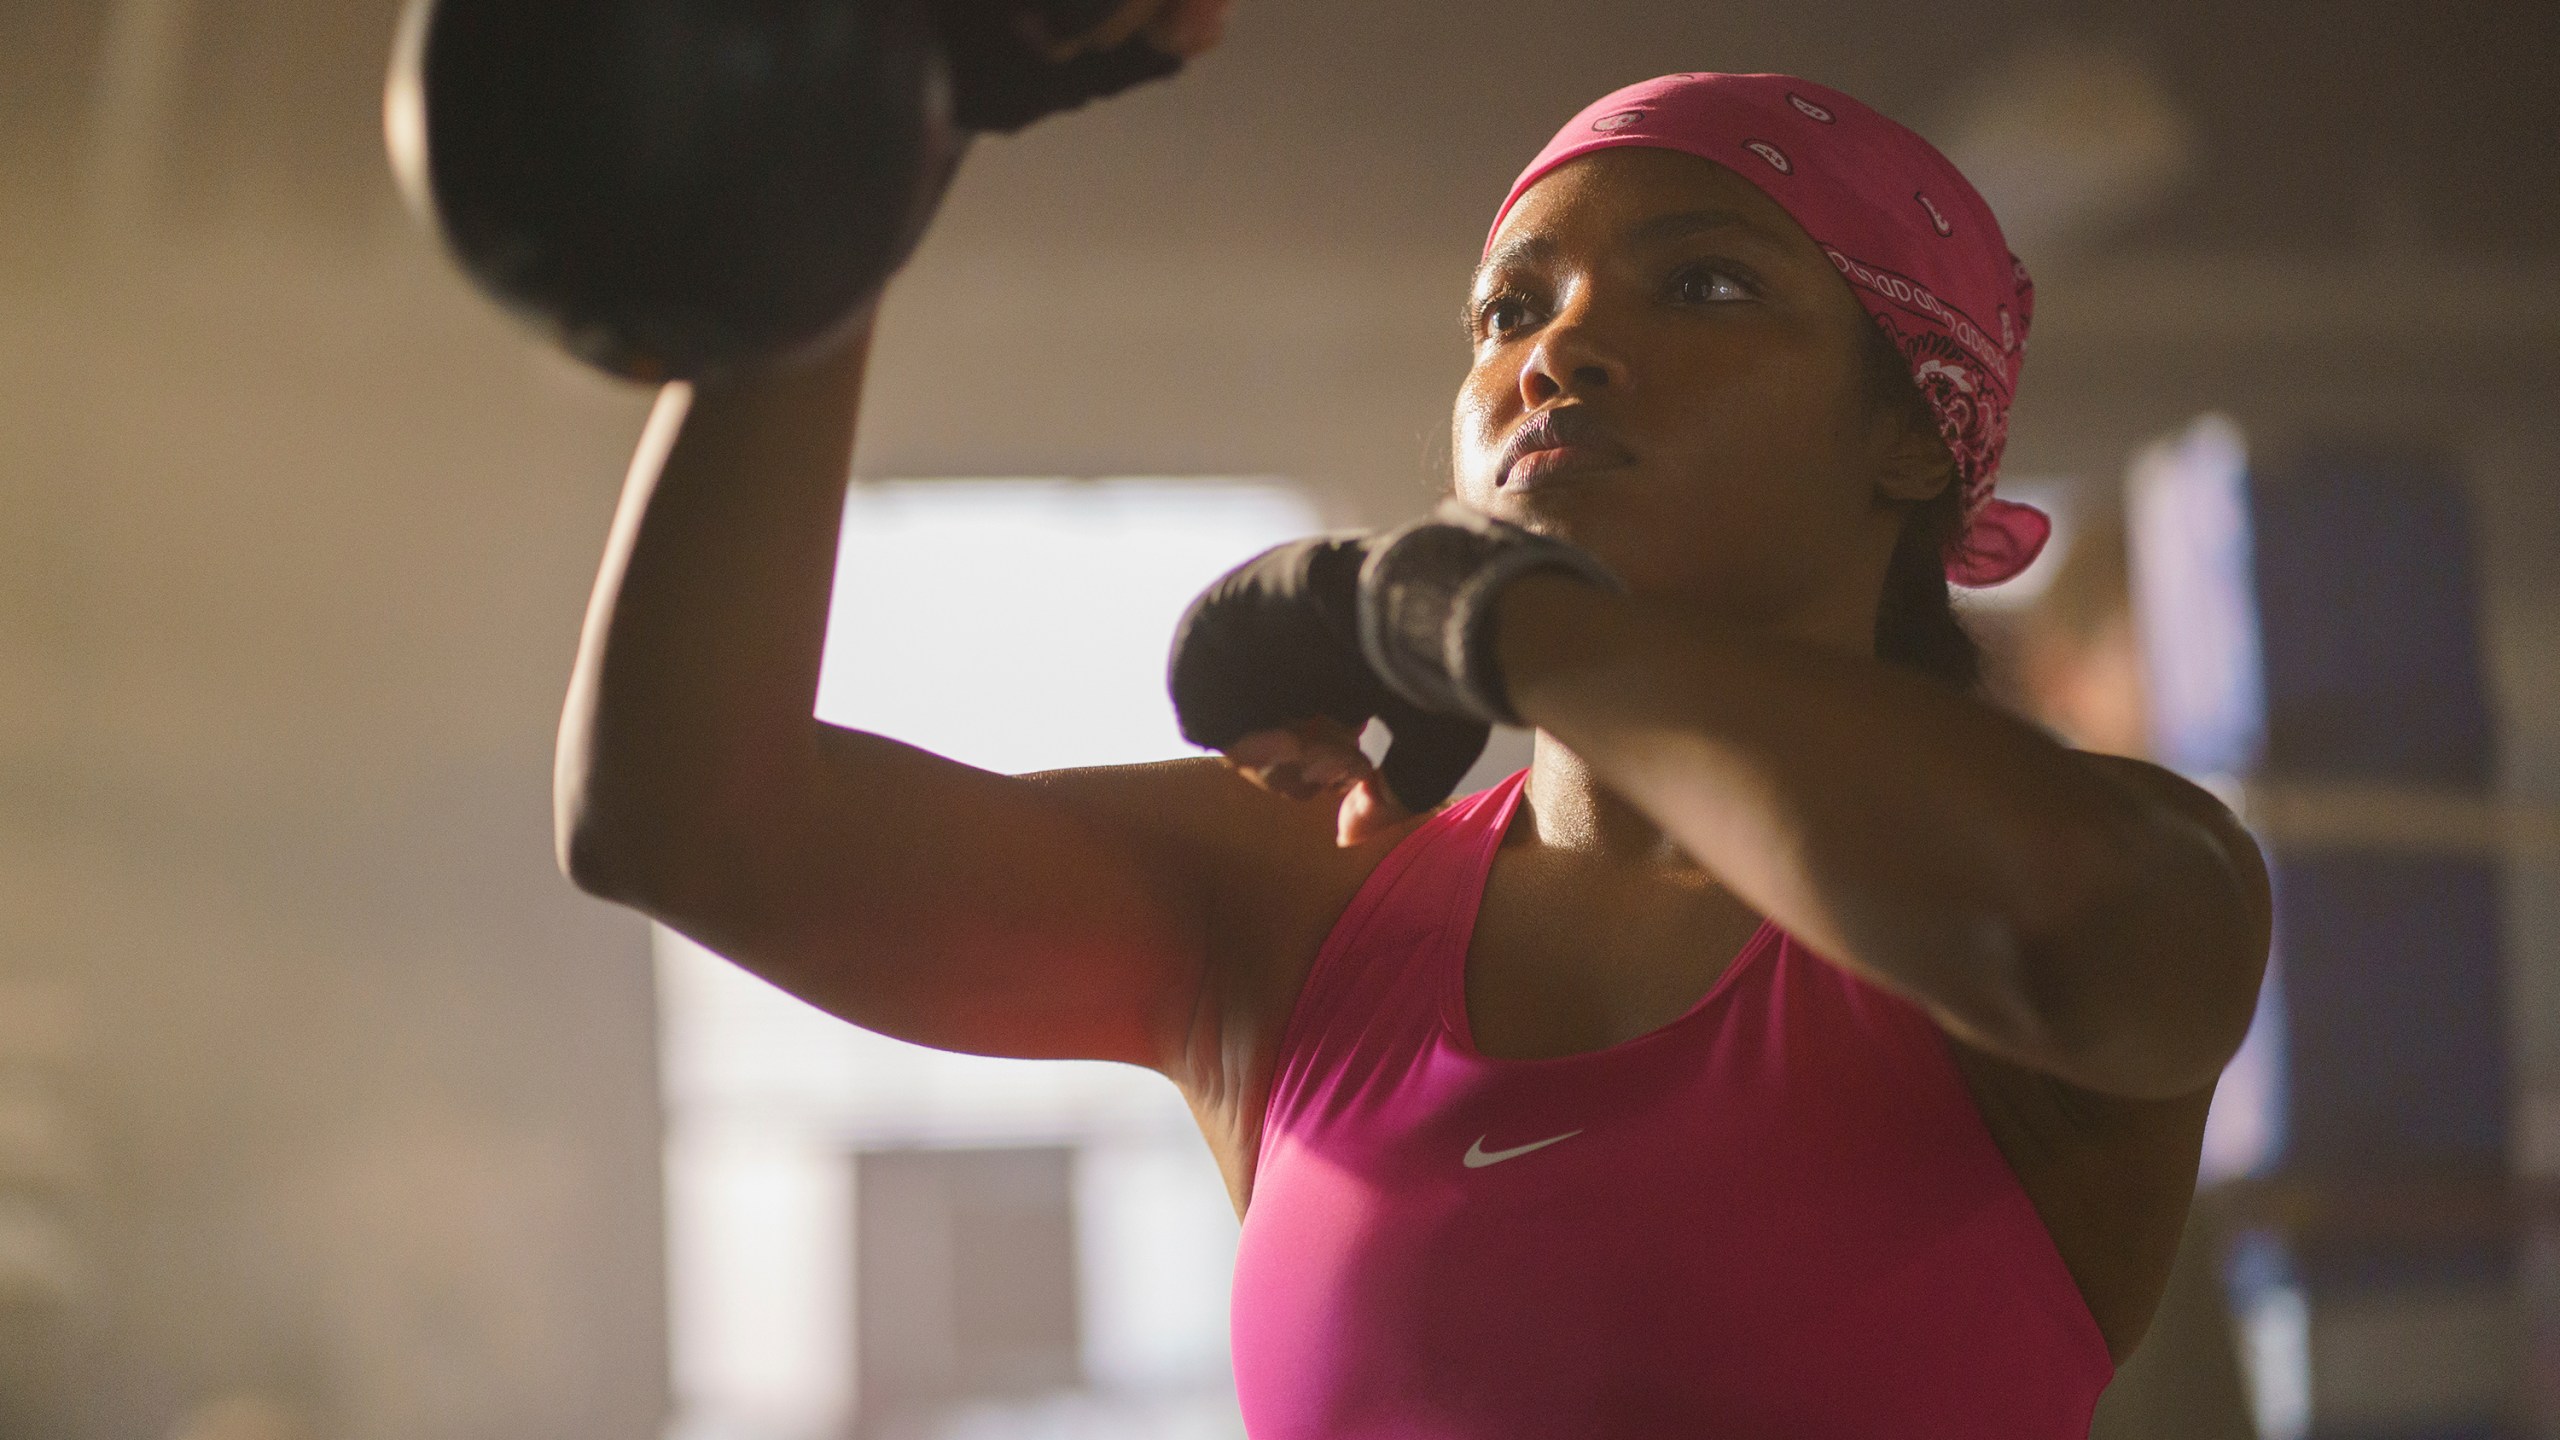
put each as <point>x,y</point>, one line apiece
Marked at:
<point>1272,877</point>
<point>1275,883</point>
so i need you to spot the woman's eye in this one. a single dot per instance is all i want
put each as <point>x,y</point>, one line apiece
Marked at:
<point>1491,316</point>
<point>1710,284</point>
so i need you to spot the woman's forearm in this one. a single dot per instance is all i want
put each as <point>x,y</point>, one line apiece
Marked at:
<point>1920,838</point>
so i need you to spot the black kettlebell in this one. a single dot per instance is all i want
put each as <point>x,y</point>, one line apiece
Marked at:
<point>674,188</point>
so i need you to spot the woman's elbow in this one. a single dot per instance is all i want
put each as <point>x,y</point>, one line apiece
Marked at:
<point>2153,1010</point>
<point>619,856</point>
<point>590,858</point>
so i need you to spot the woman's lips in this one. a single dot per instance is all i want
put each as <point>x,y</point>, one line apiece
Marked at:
<point>1537,468</point>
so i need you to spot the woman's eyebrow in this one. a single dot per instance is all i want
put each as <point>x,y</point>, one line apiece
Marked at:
<point>1519,250</point>
<point>1529,249</point>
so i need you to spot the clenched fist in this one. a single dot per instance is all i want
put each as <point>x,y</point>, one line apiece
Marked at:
<point>1176,27</point>
<point>1284,660</point>
<point>1014,61</point>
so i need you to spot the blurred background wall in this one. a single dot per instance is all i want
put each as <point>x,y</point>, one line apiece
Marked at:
<point>327,1109</point>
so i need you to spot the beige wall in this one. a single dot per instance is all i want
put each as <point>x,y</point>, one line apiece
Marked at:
<point>364,1093</point>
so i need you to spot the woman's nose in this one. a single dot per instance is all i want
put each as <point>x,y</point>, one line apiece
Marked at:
<point>1571,356</point>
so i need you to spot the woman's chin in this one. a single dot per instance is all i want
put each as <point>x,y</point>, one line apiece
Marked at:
<point>1564,506</point>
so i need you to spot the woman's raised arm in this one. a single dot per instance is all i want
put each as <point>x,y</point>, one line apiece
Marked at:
<point>1065,915</point>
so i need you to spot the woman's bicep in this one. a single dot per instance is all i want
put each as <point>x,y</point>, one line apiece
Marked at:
<point>1054,916</point>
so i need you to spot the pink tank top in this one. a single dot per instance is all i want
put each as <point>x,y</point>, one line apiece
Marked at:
<point>1778,1217</point>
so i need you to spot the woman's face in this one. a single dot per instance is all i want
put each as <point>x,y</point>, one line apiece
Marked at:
<point>1701,360</point>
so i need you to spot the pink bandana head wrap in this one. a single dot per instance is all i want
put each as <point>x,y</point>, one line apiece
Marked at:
<point>1918,247</point>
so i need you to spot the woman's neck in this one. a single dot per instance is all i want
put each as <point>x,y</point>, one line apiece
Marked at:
<point>1571,811</point>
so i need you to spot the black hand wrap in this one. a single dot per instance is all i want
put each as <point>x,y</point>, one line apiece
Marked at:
<point>1001,81</point>
<point>1274,642</point>
<point>1426,606</point>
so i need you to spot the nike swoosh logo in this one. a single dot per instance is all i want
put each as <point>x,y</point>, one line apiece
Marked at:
<point>1479,1157</point>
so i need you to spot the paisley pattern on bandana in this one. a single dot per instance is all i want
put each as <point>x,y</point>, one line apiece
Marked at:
<point>1973,414</point>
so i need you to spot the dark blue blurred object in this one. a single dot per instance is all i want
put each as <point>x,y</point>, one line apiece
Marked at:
<point>2368,620</point>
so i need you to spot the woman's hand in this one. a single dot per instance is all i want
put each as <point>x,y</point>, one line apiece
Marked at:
<point>1177,27</point>
<point>1266,668</point>
<point>1014,62</point>
<point>1283,661</point>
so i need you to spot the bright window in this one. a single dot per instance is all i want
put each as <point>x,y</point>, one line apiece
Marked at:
<point>1016,625</point>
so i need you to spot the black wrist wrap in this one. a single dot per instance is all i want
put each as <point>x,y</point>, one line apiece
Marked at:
<point>1001,81</point>
<point>1427,593</point>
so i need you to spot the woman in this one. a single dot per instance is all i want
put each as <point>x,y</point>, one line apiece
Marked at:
<point>1799,1047</point>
